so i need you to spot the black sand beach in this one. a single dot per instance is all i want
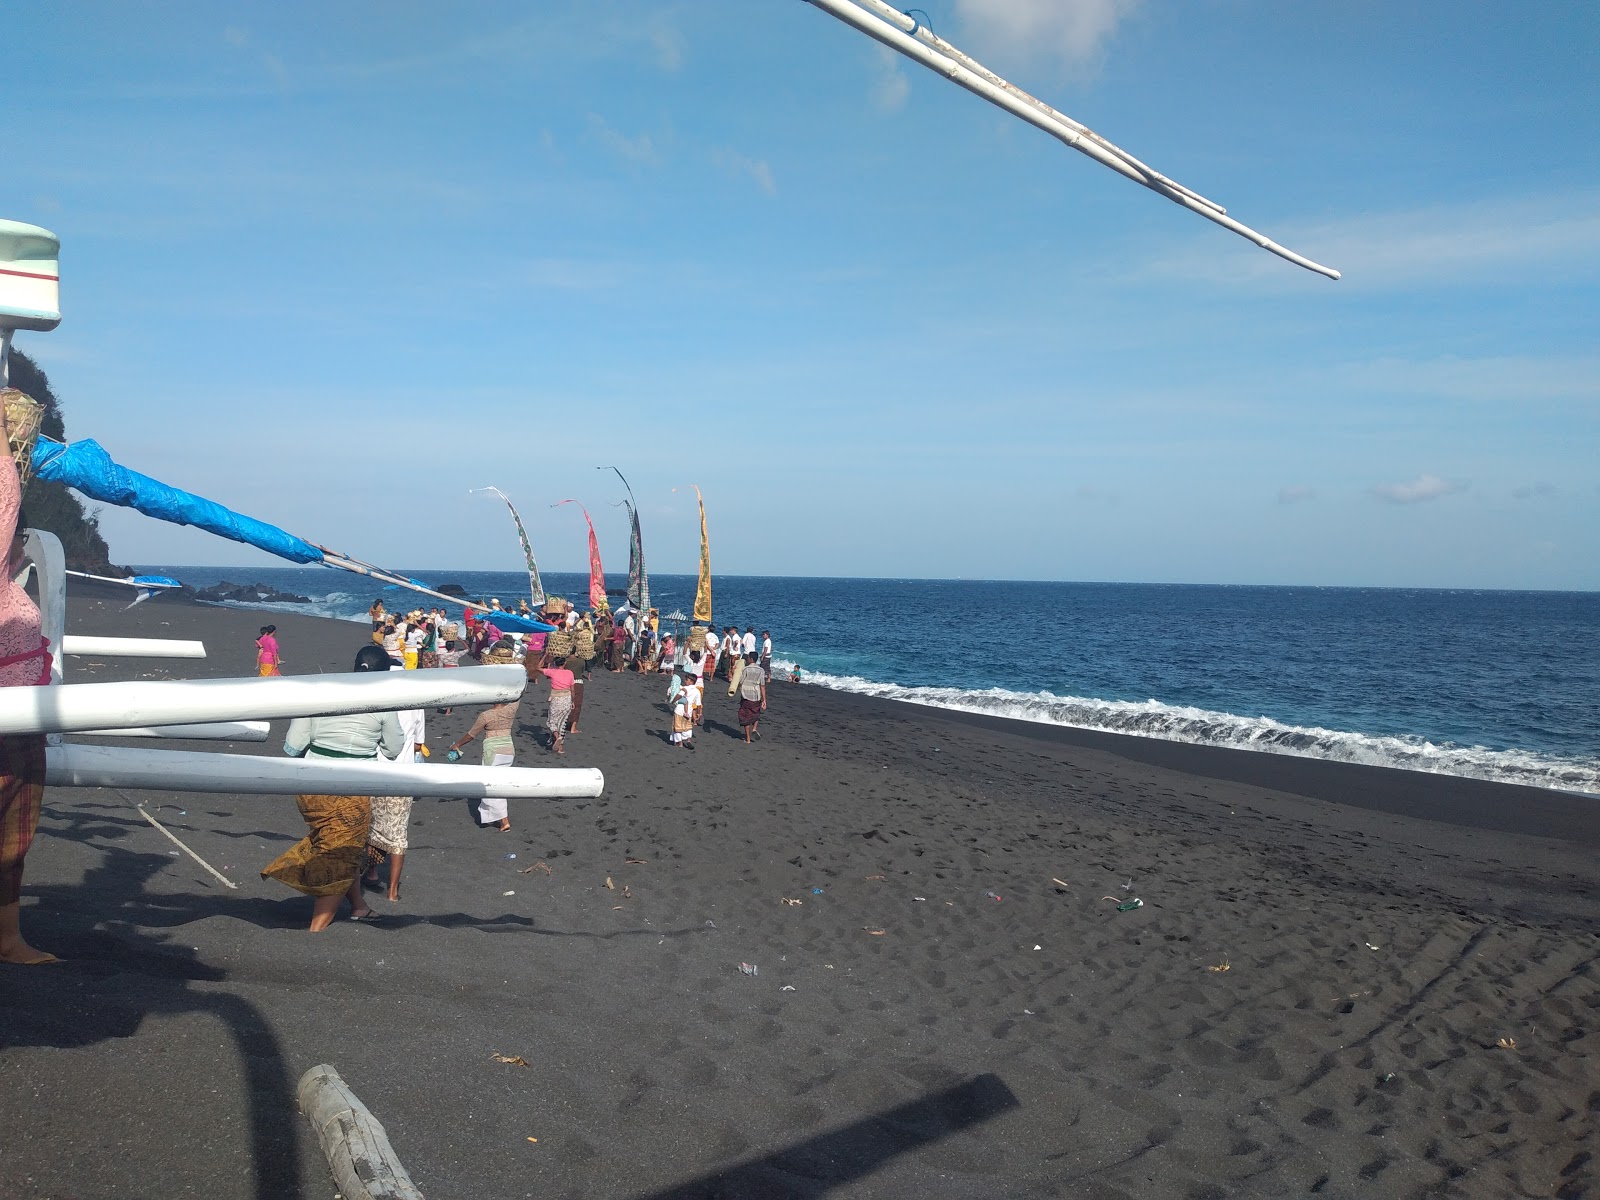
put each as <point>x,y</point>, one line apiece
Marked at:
<point>1311,1001</point>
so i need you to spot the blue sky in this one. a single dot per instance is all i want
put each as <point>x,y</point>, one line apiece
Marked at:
<point>337,265</point>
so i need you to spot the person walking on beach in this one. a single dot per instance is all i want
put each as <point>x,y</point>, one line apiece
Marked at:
<point>579,662</point>
<point>495,724</point>
<point>24,662</point>
<point>267,658</point>
<point>560,680</point>
<point>752,698</point>
<point>766,653</point>
<point>391,815</point>
<point>328,862</point>
<point>684,707</point>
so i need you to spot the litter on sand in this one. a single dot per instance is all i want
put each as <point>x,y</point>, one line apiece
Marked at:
<point>610,887</point>
<point>875,932</point>
<point>636,862</point>
<point>1038,947</point>
<point>1059,882</point>
<point>508,893</point>
<point>533,1139</point>
<point>1224,965</point>
<point>788,987</point>
<point>514,1060</point>
<point>541,865</point>
<point>1507,1043</point>
<point>792,903</point>
<point>1130,905</point>
<point>749,969</point>
<point>993,895</point>
<point>919,897</point>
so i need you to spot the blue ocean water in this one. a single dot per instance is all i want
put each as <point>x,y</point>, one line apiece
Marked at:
<point>1489,684</point>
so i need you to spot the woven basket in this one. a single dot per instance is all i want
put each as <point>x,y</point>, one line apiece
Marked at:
<point>23,417</point>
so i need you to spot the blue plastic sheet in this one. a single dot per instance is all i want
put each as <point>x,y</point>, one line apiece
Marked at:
<point>506,622</point>
<point>85,466</point>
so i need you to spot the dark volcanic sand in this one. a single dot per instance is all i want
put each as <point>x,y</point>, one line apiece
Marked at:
<point>1383,931</point>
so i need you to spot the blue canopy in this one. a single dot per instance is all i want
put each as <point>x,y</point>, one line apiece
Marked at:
<point>85,466</point>
<point>156,581</point>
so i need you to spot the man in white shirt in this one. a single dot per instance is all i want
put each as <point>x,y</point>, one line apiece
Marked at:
<point>766,653</point>
<point>749,640</point>
<point>710,658</point>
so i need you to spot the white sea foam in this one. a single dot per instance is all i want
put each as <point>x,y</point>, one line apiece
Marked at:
<point>1152,718</point>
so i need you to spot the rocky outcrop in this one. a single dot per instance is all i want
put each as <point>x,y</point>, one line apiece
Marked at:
<point>249,593</point>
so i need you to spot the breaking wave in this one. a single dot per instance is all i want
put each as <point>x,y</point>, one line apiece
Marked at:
<point>335,606</point>
<point>1198,726</point>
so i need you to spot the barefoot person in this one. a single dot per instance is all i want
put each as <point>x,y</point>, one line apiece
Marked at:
<point>561,682</point>
<point>495,724</point>
<point>752,697</point>
<point>24,662</point>
<point>391,815</point>
<point>328,862</point>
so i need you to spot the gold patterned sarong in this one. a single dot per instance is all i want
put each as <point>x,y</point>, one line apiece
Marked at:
<point>327,860</point>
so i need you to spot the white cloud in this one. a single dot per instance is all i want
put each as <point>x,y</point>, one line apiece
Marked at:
<point>755,169</point>
<point>1423,487</point>
<point>1294,494</point>
<point>639,149</point>
<point>892,87</point>
<point>1073,30</point>
<point>669,47</point>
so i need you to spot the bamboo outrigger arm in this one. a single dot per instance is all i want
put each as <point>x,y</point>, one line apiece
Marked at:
<point>888,25</point>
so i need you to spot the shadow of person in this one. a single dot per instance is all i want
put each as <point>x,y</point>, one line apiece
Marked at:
<point>819,1164</point>
<point>111,980</point>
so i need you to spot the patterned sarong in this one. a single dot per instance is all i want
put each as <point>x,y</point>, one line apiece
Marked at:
<point>560,710</point>
<point>390,816</point>
<point>21,791</point>
<point>327,860</point>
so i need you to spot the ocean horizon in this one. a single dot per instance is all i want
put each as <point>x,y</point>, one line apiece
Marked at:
<point>1482,683</point>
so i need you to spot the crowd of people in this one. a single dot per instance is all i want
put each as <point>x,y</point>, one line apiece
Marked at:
<point>350,838</point>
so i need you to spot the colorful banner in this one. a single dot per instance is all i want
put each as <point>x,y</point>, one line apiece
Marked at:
<point>535,584</point>
<point>702,594</point>
<point>597,574</point>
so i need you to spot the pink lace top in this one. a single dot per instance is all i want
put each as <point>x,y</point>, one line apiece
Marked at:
<point>24,653</point>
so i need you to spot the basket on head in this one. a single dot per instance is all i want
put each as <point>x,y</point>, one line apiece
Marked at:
<point>23,417</point>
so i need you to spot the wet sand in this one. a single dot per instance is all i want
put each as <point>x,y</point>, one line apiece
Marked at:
<point>938,1016</point>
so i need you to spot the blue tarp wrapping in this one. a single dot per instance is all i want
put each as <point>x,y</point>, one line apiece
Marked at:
<point>156,581</point>
<point>508,622</point>
<point>86,467</point>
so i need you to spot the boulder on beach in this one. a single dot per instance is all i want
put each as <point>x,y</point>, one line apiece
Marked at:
<point>249,593</point>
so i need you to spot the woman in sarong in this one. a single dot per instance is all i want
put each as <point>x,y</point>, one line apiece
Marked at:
<point>24,662</point>
<point>328,862</point>
<point>495,724</point>
<point>429,654</point>
<point>267,658</point>
<point>391,815</point>
<point>560,680</point>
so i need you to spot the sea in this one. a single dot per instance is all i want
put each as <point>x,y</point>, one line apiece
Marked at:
<point>1497,685</point>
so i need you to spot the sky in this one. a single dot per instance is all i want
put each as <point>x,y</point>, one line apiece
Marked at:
<point>338,265</point>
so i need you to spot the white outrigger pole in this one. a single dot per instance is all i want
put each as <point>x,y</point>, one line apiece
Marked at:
<point>888,25</point>
<point>223,709</point>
